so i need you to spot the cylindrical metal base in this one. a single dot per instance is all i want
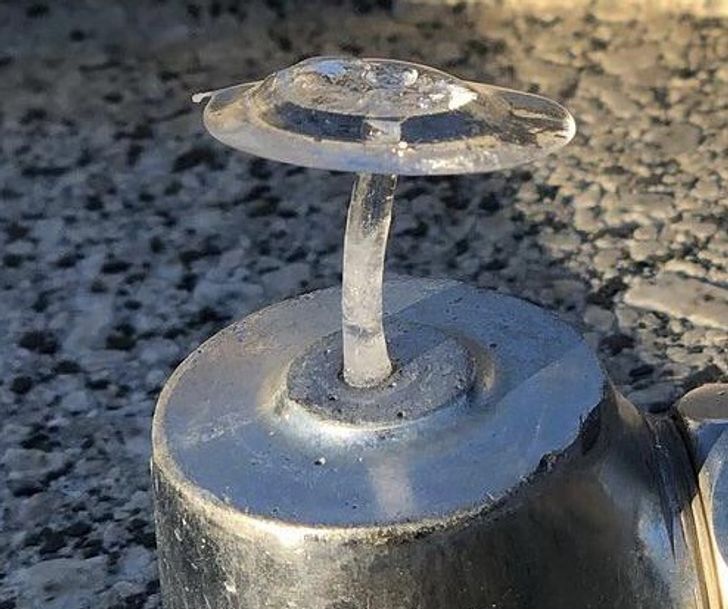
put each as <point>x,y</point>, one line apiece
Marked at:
<point>495,468</point>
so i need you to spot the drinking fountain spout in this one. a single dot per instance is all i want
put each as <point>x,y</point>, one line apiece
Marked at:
<point>419,443</point>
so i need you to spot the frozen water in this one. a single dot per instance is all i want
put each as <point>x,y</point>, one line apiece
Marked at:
<point>372,88</point>
<point>366,360</point>
<point>322,112</point>
<point>380,118</point>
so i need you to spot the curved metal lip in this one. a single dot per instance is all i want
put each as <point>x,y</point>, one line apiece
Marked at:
<point>253,518</point>
<point>234,116</point>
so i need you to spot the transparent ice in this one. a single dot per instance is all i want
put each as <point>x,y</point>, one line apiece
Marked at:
<point>366,361</point>
<point>381,118</point>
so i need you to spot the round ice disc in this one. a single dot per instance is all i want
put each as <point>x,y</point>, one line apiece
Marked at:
<point>385,116</point>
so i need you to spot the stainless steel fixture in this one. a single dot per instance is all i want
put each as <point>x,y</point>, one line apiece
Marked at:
<point>419,443</point>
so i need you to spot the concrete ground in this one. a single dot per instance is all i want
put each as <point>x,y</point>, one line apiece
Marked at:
<point>128,235</point>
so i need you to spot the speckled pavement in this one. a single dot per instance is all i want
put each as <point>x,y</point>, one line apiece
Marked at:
<point>128,235</point>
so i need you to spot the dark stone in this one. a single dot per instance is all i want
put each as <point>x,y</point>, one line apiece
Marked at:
<point>490,203</point>
<point>208,315</point>
<point>94,203</point>
<point>52,542</point>
<point>142,533</point>
<point>188,282</point>
<point>66,261</point>
<point>39,342</point>
<point>186,257</point>
<point>616,343</point>
<point>495,265</point>
<point>122,337</point>
<point>266,206</point>
<point>37,10</point>
<point>114,97</point>
<point>38,439</point>
<point>133,153</point>
<point>91,548</point>
<point>641,371</point>
<point>604,296</point>
<point>156,244</point>
<point>151,588</point>
<point>33,115</point>
<point>143,131</point>
<point>41,302</point>
<point>259,168</point>
<point>199,155</point>
<point>16,231</point>
<point>98,287</point>
<point>21,385</point>
<point>12,261</point>
<point>51,171</point>
<point>78,529</point>
<point>112,267</point>
<point>257,192</point>
<point>120,342</point>
<point>66,366</point>
<point>710,374</point>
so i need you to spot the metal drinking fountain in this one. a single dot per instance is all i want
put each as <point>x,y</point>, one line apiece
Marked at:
<point>420,444</point>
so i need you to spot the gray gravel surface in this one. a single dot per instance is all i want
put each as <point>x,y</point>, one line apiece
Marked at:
<point>128,235</point>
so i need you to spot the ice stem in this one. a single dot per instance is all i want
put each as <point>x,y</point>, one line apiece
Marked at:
<point>366,360</point>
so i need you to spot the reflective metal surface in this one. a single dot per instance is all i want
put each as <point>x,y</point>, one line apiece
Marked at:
<point>530,484</point>
<point>704,415</point>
